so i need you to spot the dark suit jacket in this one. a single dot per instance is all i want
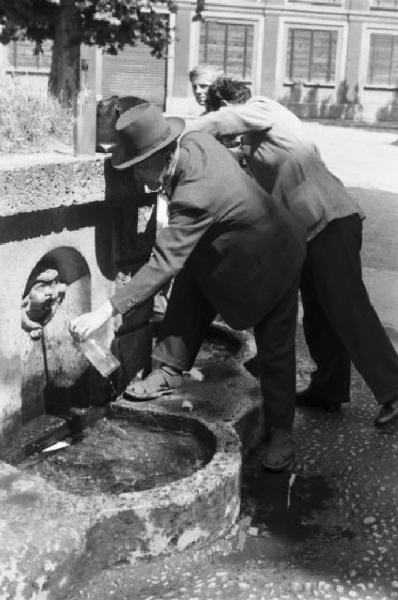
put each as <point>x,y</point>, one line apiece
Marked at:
<point>242,248</point>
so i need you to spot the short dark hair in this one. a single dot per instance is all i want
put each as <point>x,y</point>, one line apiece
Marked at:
<point>228,89</point>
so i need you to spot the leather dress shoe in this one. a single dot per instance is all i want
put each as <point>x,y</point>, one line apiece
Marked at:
<point>311,399</point>
<point>387,413</point>
<point>278,453</point>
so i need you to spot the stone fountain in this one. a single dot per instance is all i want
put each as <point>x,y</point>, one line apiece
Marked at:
<point>72,229</point>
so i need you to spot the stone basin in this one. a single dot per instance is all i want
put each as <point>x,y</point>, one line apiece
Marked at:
<point>51,537</point>
<point>55,536</point>
<point>115,456</point>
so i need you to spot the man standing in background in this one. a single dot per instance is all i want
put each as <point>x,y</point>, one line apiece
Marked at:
<point>201,77</point>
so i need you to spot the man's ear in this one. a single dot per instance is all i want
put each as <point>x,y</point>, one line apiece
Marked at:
<point>224,103</point>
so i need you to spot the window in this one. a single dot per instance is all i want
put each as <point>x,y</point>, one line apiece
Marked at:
<point>21,56</point>
<point>383,60</point>
<point>229,46</point>
<point>385,4</point>
<point>336,2</point>
<point>311,55</point>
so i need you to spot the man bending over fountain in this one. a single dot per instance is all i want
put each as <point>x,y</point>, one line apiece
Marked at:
<point>340,324</point>
<point>235,251</point>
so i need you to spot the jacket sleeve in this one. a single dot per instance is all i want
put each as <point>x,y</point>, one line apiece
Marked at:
<point>236,119</point>
<point>173,246</point>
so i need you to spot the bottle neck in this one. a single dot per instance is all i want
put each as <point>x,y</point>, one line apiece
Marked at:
<point>84,79</point>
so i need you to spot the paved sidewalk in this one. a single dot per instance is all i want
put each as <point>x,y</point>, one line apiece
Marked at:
<point>359,157</point>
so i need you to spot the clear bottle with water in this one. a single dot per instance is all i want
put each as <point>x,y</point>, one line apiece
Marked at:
<point>85,116</point>
<point>101,358</point>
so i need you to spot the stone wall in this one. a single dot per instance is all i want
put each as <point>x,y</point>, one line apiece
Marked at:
<point>87,221</point>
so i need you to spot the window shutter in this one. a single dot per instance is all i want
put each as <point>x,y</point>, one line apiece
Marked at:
<point>311,55</point>
<point>21,55</point>
<point>212,43</point>
<point>228,46</point>
<point>380,59</point>
<point>324,55</point>
<point>135,72</point>
<point>394,62</point>
<point>299,54</point>
<point>383,60</point>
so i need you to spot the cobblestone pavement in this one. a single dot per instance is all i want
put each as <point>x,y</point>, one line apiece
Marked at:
<point>328,529</point>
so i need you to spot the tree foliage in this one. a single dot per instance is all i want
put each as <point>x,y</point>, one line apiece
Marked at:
<point>109,24</point>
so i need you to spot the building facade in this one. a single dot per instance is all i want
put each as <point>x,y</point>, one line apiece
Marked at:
<point>334,59</point>
<point>322,58</point>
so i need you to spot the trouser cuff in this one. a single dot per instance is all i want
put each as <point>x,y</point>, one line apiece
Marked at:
<point>172,361</point>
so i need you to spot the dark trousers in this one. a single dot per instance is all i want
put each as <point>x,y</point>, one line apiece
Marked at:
<point>340,324</point>
<point>185,324</point>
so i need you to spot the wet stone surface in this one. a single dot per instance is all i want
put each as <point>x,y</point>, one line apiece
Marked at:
<point>283,504</point>
<point>214,351</point>
<point>116,456</point>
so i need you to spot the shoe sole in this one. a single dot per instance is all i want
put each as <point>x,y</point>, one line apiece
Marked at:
<point>326,407</point>
<point>319,404</point>
<point>137,398</point>
<point>383,424</point>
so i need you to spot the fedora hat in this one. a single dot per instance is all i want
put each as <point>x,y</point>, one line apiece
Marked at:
<point>142,131</point>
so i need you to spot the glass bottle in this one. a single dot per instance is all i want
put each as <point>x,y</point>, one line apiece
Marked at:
<point>85,116</point>
<point>101,358</point>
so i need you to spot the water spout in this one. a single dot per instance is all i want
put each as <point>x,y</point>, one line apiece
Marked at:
<point>40,304</point>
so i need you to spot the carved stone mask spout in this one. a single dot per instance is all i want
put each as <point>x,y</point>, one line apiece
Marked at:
<point>40,304</point>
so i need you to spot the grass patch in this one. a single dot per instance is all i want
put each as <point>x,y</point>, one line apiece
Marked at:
<point>31,121</point>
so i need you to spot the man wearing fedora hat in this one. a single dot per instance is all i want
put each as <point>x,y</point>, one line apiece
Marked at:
<point>232,250</point>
